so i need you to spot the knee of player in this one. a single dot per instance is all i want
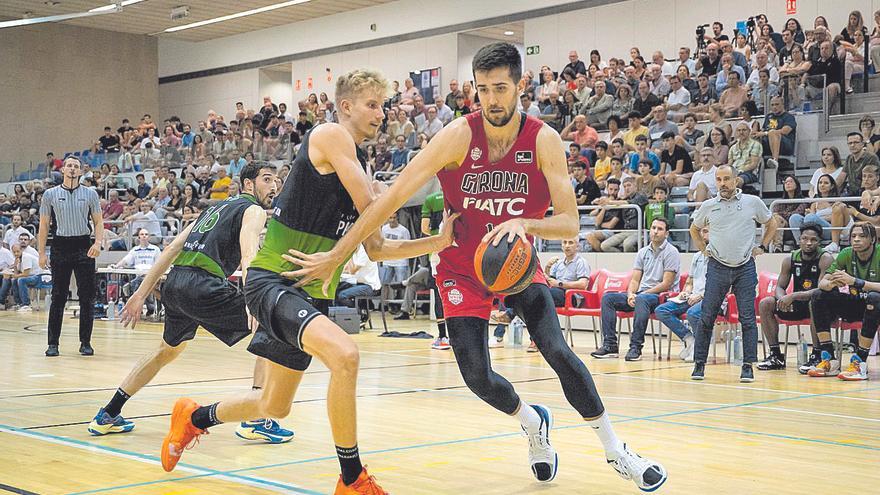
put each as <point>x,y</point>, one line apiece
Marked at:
<point>166,353</point>
<point>767,304</point>
<point>346,359</point>
<point>274,409</point>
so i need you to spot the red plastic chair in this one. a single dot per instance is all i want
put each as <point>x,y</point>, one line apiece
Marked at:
<point>592,306</point>
<point>767,283</point>
<point>564,310</point>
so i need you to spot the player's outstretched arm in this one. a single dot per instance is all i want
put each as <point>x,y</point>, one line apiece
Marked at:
<point>131,313</point>
<point>563,224</point>
<point>446,148</point>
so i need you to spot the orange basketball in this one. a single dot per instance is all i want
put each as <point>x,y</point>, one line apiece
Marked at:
<point>507,268</point>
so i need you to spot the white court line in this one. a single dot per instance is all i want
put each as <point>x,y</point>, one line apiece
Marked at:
<point>249,481</point>
<point>737,387</point>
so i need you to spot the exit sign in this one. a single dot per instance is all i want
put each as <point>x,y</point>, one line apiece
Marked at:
<point>533,50</point>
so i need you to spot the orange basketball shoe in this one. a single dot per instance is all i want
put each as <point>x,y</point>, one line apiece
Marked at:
<point>364,485</point>
<point>182,433</point>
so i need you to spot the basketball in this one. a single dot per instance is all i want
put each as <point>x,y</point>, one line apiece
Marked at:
<point>507,268</point>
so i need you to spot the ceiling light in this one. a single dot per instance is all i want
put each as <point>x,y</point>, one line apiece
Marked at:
<point>112,6</point>
<point>229,17</point>
<point>508,33</point>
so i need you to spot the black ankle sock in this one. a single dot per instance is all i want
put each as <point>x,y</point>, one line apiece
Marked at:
<point>774,349</point>
<point>441,329</point>
<point>863,353</point>
<point>114,407</point>
<point>826,346</point>
<point>350,462</point>
<point>205,417</point>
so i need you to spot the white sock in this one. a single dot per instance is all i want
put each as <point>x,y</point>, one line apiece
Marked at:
<point>528,417</point>
<point>602,427</point>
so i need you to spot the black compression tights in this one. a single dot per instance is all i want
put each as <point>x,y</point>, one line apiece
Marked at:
<point>469,339</point>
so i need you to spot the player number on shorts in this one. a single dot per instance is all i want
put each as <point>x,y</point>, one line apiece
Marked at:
<point>209,219</point>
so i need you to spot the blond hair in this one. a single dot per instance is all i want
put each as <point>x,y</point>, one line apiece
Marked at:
<point>353,84</point>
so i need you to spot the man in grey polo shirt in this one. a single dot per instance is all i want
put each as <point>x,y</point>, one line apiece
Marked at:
<point>655,271</point>
<point>731,217</point>
<point>66,210</point>
<point>571,272</point>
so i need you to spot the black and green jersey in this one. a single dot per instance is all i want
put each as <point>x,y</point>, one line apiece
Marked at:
<point>659,210</point>
<point>866,270</point>
<point>432,209</point>
<point>213,243</point>
<point>805,272</point>
<point>312,213</point>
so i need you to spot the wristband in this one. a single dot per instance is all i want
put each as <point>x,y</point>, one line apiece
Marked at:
<point>859,284</point>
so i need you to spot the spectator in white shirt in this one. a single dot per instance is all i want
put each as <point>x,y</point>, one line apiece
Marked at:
<point>141,257</point>
<point>658,83</point>
<point>360,277</point>
<point>684,58</point>
<point>26,275</point>
<point>146,219</point>
<point>24,240</point>
<point>678,100</point>
<point>14,231</point>
<point>762,61</point>
<point>7,264</point>
<point>394,272</point>
<point>432,125</point>
<point>444,113</point>
<point>703,185</point>
<point>528,107</point>
<point>666,68</point>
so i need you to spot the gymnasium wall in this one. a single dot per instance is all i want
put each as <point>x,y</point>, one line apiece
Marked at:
<point>60,85</point>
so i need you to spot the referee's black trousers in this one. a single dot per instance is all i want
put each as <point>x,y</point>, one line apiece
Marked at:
<point>70,256</point>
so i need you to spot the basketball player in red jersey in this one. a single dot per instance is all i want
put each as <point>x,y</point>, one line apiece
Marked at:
<point>500,170</point>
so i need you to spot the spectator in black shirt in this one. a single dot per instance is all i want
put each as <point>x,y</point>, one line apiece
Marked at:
<point>824,73</point>
<point>711,62</point>
<point>676,165</point>
<point>585,188</point>
<point>302,124</point>
<point>645,100</point>
<point>788,45</point>
<point>577,66</point>
<point>717,30</point>
<point>109,142</point>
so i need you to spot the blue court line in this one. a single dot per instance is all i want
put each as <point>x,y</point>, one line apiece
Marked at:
<point>208,471</point>
<point>654,418</point>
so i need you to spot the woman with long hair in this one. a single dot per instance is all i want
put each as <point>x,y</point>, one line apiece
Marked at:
<point>741,45</point>
<point>198,147</point>
<point>791,189</point>
<point>596,58</point>
<point>831,166</point>
<point>569,108</point>
<point>716,116</point>
<point>639,64</point>
<point>855,58</point>
<point>854,24</point>
<point>797,32</point>
<point>623,101</point>
<point>820,211</point>
<point>717,140</point>
<point>190,194</point>
<point>791,74</point>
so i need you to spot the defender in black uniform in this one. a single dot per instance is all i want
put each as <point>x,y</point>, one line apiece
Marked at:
<point>197,293</point>
<point>329,183</point>
<point>806,265</point>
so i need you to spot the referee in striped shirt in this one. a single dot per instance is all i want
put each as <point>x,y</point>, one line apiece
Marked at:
<point>68,207</point>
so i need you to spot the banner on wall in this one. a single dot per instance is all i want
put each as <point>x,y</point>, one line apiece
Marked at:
<point>299,85</point>
<point>791,7</point>
<point>427,81</point>
<point>309,84</point>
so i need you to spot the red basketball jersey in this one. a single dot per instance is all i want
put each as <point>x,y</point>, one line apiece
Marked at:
<point>488,194</point>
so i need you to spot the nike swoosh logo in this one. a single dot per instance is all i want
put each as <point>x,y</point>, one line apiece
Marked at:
<point>477,166</point>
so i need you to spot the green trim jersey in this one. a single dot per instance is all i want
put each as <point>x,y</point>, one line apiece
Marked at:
<point>432,209</point>
<point>657,210</point>
<point>805,273</point>
<point>848,262</point>
<point>312,212</point>
<point>213,243</point>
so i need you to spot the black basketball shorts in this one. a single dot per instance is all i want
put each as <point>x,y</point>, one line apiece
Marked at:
<point>194,297</point>
<point>284,312</point>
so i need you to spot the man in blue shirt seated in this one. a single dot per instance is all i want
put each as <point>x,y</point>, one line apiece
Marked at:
<point>400,154</point>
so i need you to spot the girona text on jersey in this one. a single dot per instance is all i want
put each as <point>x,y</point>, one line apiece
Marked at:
<point>495,181</point>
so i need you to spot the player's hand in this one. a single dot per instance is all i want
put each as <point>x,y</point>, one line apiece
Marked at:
<point>379,187</point>
<point>447,229</point>
<point>515,227</point>
<point>785,303</point>
<point>841,278</point>
<point>95,250</point>
<point>44,261</point>
<point>317,266</point>
<point>694,299</point>
<point>132,311</point>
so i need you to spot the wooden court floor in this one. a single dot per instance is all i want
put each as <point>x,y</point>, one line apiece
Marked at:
<point>421,430</point>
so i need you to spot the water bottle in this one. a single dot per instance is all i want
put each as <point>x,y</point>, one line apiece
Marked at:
<point>808,106</point>
<point>802,351</point>
<point>517,325</point>
<point>119,307</point>
<point>111,310</point>
<point>738,349</point>
<point>728,344</point>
